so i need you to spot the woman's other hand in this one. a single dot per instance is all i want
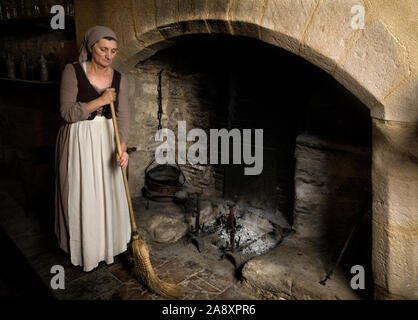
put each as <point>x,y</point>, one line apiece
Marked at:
<point>123,161</point>
<point>108,96</point>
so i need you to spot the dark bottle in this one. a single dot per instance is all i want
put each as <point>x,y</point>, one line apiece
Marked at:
<point>43,68</point>
<point>3,65</point>
<point>28,8</point>
<point>2,15</point>
<point>69,8</point>
<point>43,6</point>
<point>52,67</point>
<point>7,11</point>
<point>23,67</point>
<point>30,69</point>
<point>36,9</point>
<point>21,8</point>
<point>13,9</point>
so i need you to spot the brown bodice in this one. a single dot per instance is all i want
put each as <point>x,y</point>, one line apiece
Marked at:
<point>86,91</point>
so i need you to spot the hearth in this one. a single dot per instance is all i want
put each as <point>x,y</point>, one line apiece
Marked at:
<point>316,164</point>
<point>239,232</point>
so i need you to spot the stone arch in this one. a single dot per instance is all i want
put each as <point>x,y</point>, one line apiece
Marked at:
<point>177,30</point>
<point>371,62</point>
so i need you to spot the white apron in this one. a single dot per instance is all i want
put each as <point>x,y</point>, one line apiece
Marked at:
<point>98,214</point>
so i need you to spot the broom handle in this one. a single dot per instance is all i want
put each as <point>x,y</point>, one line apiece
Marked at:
<point>125,180</point>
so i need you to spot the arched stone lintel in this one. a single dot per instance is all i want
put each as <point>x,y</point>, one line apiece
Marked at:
<point>163,37</point>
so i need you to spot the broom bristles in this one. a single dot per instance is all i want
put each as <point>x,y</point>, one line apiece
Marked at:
<point>143,269</point>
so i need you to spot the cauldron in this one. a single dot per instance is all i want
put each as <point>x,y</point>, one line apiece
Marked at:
<point>163,181</point>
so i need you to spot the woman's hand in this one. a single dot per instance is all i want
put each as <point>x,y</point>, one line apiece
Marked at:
<point>108,96</point>
<point>123,161</point>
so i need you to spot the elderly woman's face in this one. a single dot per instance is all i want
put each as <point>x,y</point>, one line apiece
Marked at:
<point>104,51</point>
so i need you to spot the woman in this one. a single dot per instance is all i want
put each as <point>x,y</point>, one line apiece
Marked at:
<point>91,211</point>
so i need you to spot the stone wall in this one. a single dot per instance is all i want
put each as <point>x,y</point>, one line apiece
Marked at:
<point>395,207</point>
<point>332,180</point>
<point>186,96</point>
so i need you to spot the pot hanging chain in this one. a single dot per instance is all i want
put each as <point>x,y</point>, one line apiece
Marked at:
<point>160,105</point>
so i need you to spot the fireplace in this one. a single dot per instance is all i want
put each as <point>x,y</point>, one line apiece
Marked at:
<point>316,162</point>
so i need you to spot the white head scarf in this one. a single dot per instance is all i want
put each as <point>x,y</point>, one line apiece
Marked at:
<point>93,35</point>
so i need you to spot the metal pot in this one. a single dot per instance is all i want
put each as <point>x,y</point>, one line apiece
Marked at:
<point>163,181</point>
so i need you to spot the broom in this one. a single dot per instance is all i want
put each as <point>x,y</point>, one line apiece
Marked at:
<point>142,267</point>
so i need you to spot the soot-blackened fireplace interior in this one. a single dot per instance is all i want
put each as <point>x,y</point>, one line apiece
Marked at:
<point>316,147</point>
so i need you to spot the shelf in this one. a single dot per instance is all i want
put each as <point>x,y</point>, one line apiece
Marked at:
<point>35,24</point>
<point>53,83</point>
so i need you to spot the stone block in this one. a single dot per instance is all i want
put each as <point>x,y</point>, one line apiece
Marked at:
<point>171,31</point>
<point>218,9</point>
<point>219,26</point>
<point>284,22</point>
<point>395,233</point>
<point>166,12</point>
<point>144,16</point>
<point>85,18</point>
<point>194,27</point>
<point>117,15</point>
<point>192,10</point>
<point>374,63</point>
<point>251,11</point>
<point>167,227</point>
<point>245,29</point>
<point>150,37</point>
<point>400,101</point>
<point>293,270</point>
<point>281,40</point>
<point>329,35</point>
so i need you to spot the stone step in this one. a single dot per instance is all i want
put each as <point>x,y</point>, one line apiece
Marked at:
<point>293,271</point>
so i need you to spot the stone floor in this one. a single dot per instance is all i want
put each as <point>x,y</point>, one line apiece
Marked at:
<point>200,275</point>
<point>297,276</point>
<point>292,270</point>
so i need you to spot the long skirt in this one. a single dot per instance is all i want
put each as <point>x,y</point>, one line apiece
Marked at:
<point>92,216</point>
